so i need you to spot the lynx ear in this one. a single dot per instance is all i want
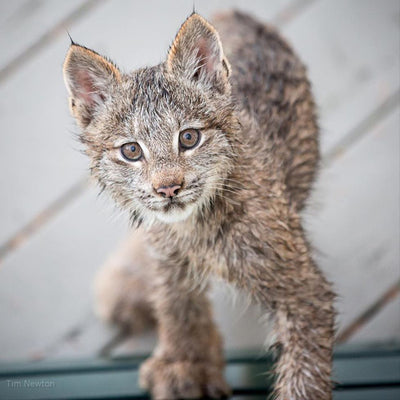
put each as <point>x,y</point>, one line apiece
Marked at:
<point>197,54</point>
<point>88,78</point>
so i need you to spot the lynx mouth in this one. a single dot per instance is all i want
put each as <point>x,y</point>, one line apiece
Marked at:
<point>175,212</point>
<point>174,209</point>
<point>179,202</point>
<point>174,205</point>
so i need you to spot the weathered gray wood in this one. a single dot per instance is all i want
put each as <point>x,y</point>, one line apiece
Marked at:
<point>358,106</point>
<point>357,230</point>
<point>86,337</point>
<point>45,294</point>
<point>23,22</point>
<point>346,45</point>
<point>37,148</point>
<point>384,327</point>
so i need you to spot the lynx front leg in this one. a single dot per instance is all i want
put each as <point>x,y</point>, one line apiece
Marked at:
<point>286,280</point>
<point>305,330</point>
<point>188,361</point>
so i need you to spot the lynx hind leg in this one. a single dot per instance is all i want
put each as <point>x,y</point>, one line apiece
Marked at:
<point>123,285</point>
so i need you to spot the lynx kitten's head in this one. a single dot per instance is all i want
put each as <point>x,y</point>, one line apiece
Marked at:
<point>160,138</point>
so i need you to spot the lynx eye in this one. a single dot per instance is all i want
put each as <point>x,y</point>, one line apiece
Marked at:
<point>131,151</point>
<point>189,138</point>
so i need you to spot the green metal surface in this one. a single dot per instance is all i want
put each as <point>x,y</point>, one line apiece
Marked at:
<point>361,373</point>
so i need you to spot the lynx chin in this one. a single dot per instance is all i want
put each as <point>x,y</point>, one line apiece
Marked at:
<point>213,152</point>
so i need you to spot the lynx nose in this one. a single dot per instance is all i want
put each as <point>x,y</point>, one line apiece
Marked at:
<point>168,191</point>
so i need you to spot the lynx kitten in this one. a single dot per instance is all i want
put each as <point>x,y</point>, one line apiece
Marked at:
<point>213,152</point>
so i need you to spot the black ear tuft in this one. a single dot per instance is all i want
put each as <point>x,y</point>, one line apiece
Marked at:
<point>70,38</point>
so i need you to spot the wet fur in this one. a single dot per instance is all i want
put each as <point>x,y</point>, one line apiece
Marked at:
<point>250,180</point>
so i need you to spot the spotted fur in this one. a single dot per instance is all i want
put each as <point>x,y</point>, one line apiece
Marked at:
<point>237,214</point>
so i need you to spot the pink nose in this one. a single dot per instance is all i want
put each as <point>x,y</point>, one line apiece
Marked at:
<point>168,191</point>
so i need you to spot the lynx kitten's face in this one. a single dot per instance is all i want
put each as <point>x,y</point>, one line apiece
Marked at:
<point>166,154</point>
<point>159,138</point>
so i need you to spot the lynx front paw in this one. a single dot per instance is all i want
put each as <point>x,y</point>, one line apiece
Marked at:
<point>182,380</point>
